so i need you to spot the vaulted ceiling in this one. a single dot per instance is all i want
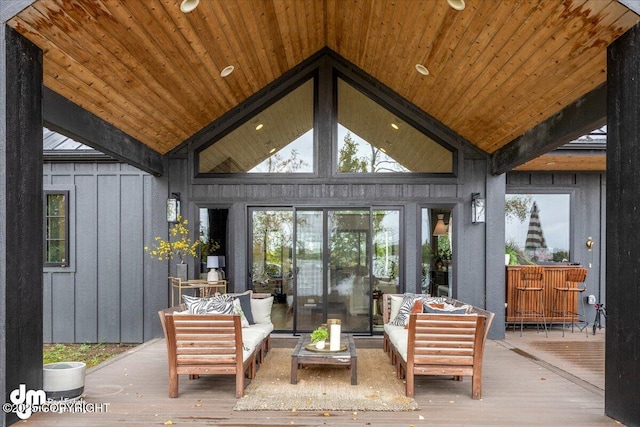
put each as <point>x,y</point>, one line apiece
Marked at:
<point>496,68</point>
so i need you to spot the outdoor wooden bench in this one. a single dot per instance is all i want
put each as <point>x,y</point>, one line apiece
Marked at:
<point>438,344</point>
<point>199,344</point>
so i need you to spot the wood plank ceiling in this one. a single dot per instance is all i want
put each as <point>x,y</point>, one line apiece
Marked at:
<point>497,68</point>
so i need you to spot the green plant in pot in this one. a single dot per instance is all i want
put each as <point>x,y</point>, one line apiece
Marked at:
<point>319,337</point>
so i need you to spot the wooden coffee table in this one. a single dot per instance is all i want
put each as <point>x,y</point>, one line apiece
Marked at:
<point>301,356</point>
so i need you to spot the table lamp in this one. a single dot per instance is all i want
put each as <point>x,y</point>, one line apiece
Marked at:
<point>212,264</point>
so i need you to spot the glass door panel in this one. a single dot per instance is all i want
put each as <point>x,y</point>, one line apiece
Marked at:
<point>272,262</point>
<point>309,251</point>
<point>348,294</point>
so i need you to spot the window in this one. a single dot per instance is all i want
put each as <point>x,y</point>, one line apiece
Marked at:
<point>371,139</point>
<point>278,140</point>
<point>56,231</point>
<point>537,227</point>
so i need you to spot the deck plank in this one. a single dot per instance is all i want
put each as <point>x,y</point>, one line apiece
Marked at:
<point>517,390</point>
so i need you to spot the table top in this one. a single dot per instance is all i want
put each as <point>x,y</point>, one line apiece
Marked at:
<point>301,351</point>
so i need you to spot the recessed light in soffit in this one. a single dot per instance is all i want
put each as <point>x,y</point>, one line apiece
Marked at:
<point>457,4</point>
<point>189,5</point>
<point>422,69</point>
<point>227,70</point>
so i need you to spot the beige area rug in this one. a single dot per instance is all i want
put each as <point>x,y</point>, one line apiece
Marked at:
<point>326,388</point>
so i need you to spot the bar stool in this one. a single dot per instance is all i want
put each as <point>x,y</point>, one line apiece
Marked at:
<point>573,278</point>
<point>530,297</point>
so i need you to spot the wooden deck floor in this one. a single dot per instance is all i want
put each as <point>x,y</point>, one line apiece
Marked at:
<point>527,382</point>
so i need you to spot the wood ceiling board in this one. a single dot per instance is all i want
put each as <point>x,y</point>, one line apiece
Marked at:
<point>577,162</point>
<point>497,68</point>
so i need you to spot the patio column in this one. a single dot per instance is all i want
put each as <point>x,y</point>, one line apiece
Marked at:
<point>622,367</point>
<point>21,248</point>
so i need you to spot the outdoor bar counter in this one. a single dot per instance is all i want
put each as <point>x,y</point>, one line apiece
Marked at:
<point>554,276</point>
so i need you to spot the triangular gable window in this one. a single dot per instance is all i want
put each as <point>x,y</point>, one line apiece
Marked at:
<point>277,140</point>
<point>371,139</point>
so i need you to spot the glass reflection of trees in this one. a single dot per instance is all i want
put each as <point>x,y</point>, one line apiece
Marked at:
<point>272,242</point>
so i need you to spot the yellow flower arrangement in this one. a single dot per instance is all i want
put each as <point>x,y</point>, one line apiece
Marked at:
<point>180,247</point>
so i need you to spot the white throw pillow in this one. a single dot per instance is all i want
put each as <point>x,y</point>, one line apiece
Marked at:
<point>261,309</point>
<point>396,302</point>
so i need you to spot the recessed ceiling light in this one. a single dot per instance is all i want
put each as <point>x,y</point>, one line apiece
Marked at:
<point>260,126</point>
<point>550,163</point>
<point>227,70</point>
<point>395,126</point>
<point>422,69</point>
<point>273,150</point>
<point>383,150</point>
<point>188,5</point>
<point>457,4</point>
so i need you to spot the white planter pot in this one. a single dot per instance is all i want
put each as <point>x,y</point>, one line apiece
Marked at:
<point>320,345</point>
<point>63,380</point>
<point>507,259</point>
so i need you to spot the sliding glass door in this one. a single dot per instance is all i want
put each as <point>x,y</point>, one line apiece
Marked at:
<point>325,263</point>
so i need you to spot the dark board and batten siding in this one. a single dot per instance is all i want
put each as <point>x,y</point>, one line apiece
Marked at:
<point>111,290</point>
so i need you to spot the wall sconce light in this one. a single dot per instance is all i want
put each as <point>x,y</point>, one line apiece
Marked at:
<point>173,207</point>
<point>213,264</point>
<point>477,208</point>
<point>589,243</point>
<point>441,228</point>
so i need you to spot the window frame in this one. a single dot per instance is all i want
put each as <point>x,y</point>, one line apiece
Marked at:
<point>402,114</point>
<point>67,263</point>
<point>570,191</point>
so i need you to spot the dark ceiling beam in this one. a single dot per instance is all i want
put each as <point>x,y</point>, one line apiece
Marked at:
<point>67,118</point>
<point>582,116</point>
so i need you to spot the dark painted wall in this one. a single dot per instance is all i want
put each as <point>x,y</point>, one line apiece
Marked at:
<point>111,291</point>
<point>622,362</point>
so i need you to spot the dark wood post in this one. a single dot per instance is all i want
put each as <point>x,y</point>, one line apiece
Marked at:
<point>622,369</point>
<point>21,247</point>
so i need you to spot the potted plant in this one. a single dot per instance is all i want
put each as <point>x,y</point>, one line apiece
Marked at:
<point>319,337</point>
<point>180,246</point>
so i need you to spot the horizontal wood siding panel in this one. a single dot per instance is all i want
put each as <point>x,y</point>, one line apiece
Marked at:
<point>310,190</point>
<point>255,191</point>
<point>204,192</point>
<point>232,191</point>
<point>131,259</point>
<point>108,259</point>
<point>363,191</point>
<point>393,191</point>
<point>419,191</point>
<point>444,190</point>
<point>283,191</point>
<point>86,243</point>
<point>336,190</point>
